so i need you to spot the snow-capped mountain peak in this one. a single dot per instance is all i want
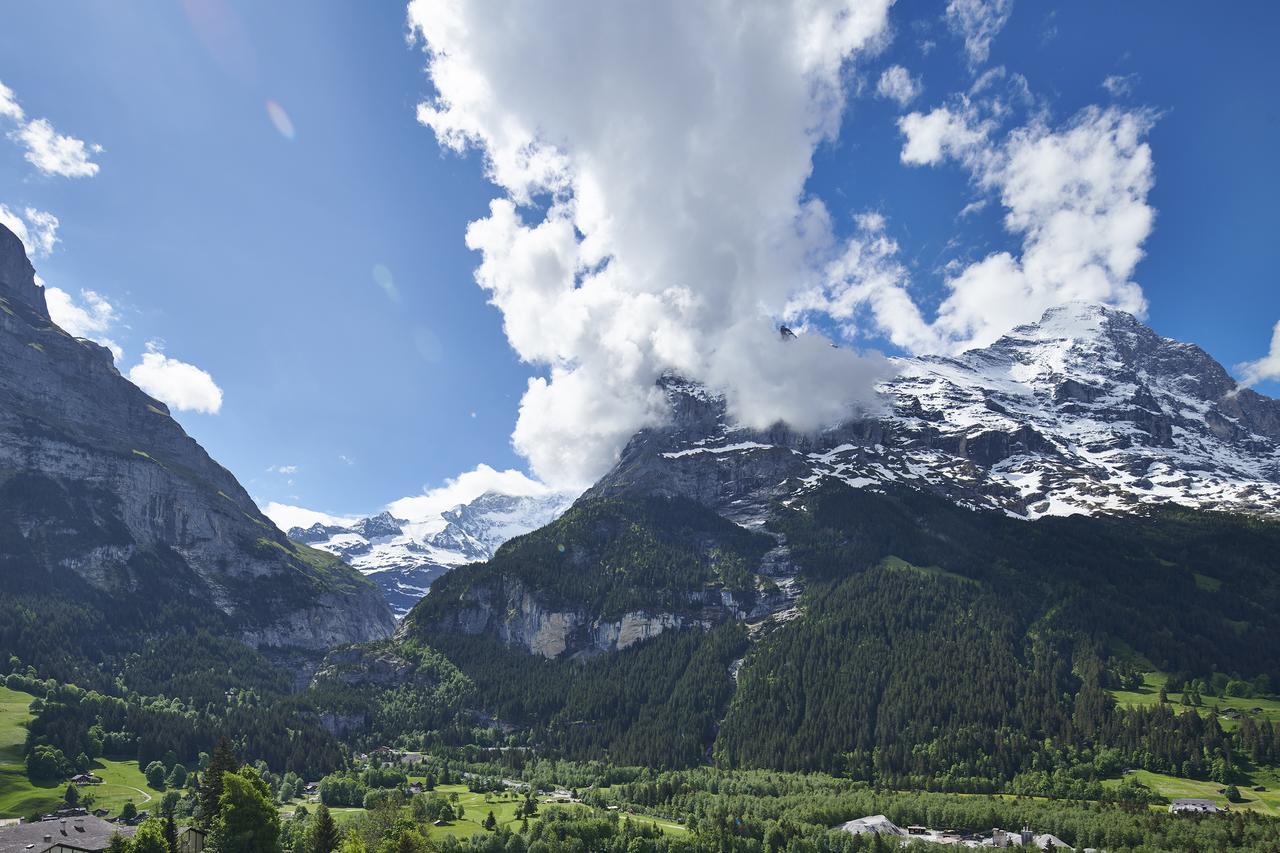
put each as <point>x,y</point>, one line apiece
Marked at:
<point>403,556</point>
<point>1087,410</point>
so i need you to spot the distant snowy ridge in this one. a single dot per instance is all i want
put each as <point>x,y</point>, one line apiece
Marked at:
<point>403,556</point>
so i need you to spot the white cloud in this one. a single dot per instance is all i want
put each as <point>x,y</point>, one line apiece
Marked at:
<point>91,317</point>
<point>182,386</point>
<point>1075,196</point>
<point>465,488</point>
<point>285,470</point>
<point>675,225</point>
<point>1265,368</point>
<point>37,229</point>
<point>286,516</point>
<point>9,107</point>
<point>1120,85</point>
<point>937,134</point>
<point>978,22</point>
<point>56,154</point>
<point>897,84</point>
<point>868,274</point>
<point>49,151</point>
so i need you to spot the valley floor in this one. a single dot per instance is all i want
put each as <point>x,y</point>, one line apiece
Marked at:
<point>477,806</point>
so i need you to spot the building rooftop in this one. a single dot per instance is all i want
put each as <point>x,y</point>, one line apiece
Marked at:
<point>84,833</point>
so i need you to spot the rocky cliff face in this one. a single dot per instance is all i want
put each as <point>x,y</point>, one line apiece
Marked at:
<point>97,480</point>
<point>512,612</point>
<point>609,573</point>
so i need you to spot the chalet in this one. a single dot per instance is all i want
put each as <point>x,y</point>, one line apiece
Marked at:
<point>1194,806</point>
<point>86,779</point>
<point>84,834</point>
<point>191,839</point>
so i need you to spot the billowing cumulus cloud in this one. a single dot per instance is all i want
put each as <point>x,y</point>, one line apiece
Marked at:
<point>1264,369</point>
<point>653,161</point>
<point>51,152</point>
<point>1075,195</point>
<point>180,385</point>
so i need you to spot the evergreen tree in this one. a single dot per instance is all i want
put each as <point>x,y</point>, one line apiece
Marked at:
<point>324,832</point>
<point>222,761</point>
<point>170,833</point>
<point>248,821</point>
<point>72,796</point>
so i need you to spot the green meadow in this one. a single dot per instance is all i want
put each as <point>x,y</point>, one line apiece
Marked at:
<point>1149,694</point>
<point>20,797</point>
<point>476,807</point>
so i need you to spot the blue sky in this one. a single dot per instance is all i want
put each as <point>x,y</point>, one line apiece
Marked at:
<point>322,279</point>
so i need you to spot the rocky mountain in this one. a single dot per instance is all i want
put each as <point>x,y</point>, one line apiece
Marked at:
<point>1087,412</point>
<point>107,504</point>
<point>403,556</point>
<point>944,591</point>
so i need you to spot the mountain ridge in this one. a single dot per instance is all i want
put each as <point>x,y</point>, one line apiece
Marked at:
<point>106,495</point>
<point>1086,411</point>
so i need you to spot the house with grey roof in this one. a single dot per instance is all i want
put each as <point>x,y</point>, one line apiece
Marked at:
<point>84,834</point>
<point>1186,805</point>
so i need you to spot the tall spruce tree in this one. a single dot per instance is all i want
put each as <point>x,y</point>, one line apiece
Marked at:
<point>324,832</point>
<point>222,761</point>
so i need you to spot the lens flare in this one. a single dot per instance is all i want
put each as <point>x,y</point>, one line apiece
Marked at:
<point>280,119</point>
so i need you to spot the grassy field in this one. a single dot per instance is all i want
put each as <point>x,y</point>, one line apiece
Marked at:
<point>1174,787</point>
<point>122,781</point>
<point>20,797</point>
<point>476,807</point>
<point>1149,694</point>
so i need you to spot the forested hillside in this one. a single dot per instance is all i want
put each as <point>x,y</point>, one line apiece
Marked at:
<point>934,646</point>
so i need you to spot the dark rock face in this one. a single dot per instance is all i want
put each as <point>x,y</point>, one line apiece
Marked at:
<point>17,276</point>
<point>97,479</point>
